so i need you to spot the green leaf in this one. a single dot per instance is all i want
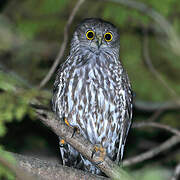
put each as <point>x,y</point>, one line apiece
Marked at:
<point>4,171</point>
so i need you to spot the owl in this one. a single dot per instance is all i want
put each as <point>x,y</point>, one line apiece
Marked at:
<point>92,93</point>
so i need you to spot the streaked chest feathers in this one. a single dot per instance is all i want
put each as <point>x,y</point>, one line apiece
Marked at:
<point>90,102</point>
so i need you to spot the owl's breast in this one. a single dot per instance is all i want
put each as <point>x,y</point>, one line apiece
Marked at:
<point>90,104</point>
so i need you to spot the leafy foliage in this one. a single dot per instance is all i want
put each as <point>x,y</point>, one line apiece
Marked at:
<point>4,172</point>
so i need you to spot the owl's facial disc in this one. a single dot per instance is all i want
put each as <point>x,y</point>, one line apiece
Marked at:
<point>97,36</point>
<point>103,39</point>
<point>95,39</point>
<point>98,40</point>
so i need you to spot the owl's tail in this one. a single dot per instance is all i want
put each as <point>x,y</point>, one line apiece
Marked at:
<point>72,158</point>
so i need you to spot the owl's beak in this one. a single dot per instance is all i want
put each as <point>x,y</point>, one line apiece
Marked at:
<point>99,40</point>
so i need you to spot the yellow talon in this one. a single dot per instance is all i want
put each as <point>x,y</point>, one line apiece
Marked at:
<point>66,121</point>
<point>96,148</point>
<point>62,141</point>
<point>101,151</point>
<point>75,128</point>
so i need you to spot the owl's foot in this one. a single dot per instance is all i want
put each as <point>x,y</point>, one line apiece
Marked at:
<point>100,152</point>
<point>75,128</point>
<point>62,142</point>
<point>66,122</point>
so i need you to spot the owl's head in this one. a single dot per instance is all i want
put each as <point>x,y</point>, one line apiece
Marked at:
<point>96,35</point>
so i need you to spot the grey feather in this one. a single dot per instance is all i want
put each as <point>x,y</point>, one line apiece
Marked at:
<point>92,91</point>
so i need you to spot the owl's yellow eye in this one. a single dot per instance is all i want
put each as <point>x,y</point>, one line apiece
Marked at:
<point>90,35</point>
<point>108,36</point>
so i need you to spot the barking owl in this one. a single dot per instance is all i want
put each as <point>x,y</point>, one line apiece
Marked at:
<point>92,93</point>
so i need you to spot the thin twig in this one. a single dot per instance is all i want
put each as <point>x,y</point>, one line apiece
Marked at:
<point>63,45</point>
<point>152,68</point>
<point>155,115</point>
<point>153,152</point>
<point>157,17</point>
<point>173,38</point>
<point>15,76</point>
<point>139,104</point>
<point>154,106</point>
<point>176,174</point>
<point>156,125</point>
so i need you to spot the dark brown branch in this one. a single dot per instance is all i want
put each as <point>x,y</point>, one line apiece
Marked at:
<point>50,170</point>
<point>63,45</point>
<point>153,152</point>
<point>18,172</point>
<point>30,168</point>
<point>80,144</point>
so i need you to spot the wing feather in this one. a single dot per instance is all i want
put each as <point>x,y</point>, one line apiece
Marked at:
<point>126,115</point>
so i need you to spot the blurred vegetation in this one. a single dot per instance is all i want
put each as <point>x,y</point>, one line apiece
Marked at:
<point>31,32</point>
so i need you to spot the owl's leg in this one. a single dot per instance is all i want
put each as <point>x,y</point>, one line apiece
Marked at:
<point>75,128</point>
<point>63,150</point>
<point>62,142</point>
<point>100,153</point>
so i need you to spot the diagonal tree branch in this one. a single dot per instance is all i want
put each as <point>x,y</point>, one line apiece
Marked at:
<point>153,69</point>
<point>153,106</point>
<point>86,148</point>
<point>80,144</point>
<point>139,104</point>
<point>64,44</point>
<point>153,152</point>
<point>46,170</point>
<point>30,168</point>
<point>156,125</point>
<point>166,27</point>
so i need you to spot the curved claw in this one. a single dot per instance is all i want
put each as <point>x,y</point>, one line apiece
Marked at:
<point>75,128</point>
<point>100,153</point>
<point>66,122</point>
<point>62,142</point>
